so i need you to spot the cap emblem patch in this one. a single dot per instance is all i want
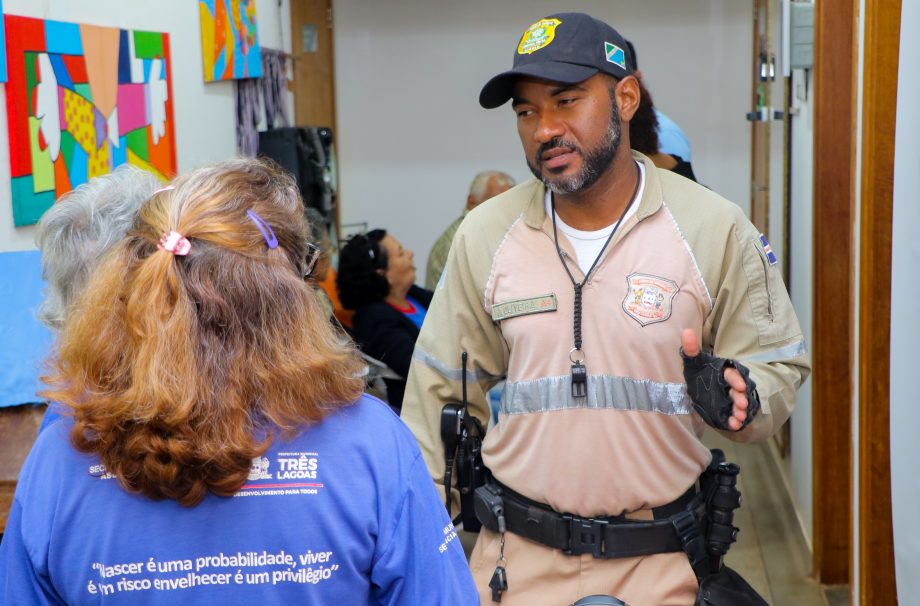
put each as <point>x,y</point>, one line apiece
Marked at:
<point>615,54</point>
<point>538,35</point>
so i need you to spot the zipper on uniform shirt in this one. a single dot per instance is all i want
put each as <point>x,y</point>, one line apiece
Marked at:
<point>766,283</point>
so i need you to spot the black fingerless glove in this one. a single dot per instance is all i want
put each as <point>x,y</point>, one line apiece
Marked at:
<point>706,386</point>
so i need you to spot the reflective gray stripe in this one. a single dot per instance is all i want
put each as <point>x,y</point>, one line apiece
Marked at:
<point>621,393</point>
<point>786,352</point>
<point>449,373</point>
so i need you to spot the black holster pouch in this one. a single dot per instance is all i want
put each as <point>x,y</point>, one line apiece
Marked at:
<point>727,588</point>
<point>462,434</point>
<point>719,584</point>
<point>718,484</point>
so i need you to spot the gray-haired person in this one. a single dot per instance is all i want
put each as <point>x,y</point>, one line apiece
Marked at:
<point>77,231</point>
<point>485,185</point>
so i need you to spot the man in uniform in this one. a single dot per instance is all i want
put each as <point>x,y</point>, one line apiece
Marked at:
<point>626,307</point>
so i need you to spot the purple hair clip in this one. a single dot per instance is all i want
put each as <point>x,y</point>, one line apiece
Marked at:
<point>270,239</point>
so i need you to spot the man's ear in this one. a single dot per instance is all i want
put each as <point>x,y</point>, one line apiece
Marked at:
<point>470,202</point>
<point>627,97</point>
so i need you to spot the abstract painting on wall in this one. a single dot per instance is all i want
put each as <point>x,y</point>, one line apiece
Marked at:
<point>81,100</point>
<point>230,40</point>
<point>2,49</point>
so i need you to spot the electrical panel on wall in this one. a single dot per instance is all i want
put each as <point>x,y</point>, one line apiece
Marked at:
<point>801,35</point>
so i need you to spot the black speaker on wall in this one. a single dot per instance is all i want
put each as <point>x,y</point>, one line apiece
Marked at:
<point>307,153</point>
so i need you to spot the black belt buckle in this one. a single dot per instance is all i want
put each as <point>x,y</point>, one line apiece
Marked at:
<point>585,536</point>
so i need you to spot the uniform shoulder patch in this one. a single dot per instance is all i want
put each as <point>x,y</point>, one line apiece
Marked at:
<point>648,298</point>
<point>768,250</point>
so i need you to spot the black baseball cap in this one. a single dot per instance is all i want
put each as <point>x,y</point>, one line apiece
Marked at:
<point>567,48</point>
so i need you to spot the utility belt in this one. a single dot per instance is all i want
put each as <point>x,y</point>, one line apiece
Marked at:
<point>699,522</point>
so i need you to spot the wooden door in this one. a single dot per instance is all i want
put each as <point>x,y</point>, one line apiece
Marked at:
<point>314,75</point>
<point>314,82</point>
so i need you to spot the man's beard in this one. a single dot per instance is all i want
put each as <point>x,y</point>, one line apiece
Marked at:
<point>596,161</point>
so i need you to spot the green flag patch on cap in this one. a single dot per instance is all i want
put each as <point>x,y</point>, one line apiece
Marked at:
<point>615,54</point>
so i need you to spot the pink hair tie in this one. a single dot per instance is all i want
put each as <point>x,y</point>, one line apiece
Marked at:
<point>175,243</point>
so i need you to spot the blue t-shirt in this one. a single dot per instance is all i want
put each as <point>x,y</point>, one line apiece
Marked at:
<point>671,138</point>
<point>345,513</point>
<point>416,314</point>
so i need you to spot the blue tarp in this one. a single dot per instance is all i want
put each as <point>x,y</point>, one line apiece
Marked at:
<point>24,341</point>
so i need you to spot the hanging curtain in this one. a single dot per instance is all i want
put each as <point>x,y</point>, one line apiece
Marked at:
<point>273,88</point>
<point>248,112</point>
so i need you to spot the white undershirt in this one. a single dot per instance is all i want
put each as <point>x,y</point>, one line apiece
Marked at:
<point>588,244</point>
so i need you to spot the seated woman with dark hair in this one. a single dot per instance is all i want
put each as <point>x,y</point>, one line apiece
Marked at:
<point>215,447</point>
<point>643,137</point>
<point>377,279</point>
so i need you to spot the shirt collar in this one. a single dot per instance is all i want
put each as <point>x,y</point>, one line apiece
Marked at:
<point>535,213</point>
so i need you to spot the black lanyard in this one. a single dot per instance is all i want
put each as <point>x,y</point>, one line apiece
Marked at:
<point>579,372</point>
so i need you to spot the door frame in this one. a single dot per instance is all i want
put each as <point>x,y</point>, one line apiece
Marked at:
<point>881,48</point>
<point>835,359</point>
<point>833,285</point>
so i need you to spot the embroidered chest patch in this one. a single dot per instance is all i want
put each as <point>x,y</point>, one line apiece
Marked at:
<point>648,298</point>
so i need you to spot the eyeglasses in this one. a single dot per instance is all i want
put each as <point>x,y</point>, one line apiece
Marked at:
<point>314,252</point>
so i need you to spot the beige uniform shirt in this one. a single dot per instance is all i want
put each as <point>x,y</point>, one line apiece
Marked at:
<point>687,259</point>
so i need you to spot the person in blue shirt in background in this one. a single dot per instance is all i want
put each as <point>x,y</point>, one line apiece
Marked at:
<point>214,445</point>
<point>671,138</point>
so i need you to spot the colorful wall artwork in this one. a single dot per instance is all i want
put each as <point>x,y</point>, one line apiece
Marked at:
<point>230,40</point>
<point>81,100</point>
<point>2,48</point>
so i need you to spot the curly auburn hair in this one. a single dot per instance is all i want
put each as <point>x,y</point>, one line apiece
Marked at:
<point>179,370</point>
<point>361,275</point>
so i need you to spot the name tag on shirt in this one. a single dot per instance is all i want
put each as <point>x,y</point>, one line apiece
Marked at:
<point>523,307</point>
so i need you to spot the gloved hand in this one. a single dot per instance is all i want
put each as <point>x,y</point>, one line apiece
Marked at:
<point>721,390</point>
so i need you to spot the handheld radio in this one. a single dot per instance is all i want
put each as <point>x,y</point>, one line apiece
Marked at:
<point>462,434</point>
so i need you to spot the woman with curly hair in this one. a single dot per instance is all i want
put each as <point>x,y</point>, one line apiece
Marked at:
<point>376,278</point>
<point>215,446</point>
<point>76,233</point>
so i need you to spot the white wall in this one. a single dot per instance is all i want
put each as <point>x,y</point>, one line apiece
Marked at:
<point>411,134</point>
<point>204,114</point>
<point>905,329</point>
<point>801,276</point>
